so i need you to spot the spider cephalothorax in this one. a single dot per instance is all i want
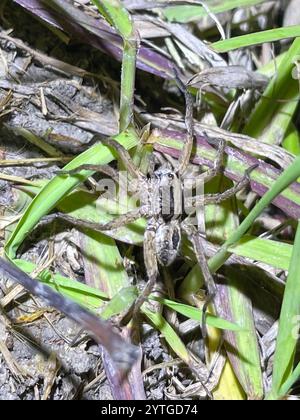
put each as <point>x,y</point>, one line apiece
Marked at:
<point>161,192</point>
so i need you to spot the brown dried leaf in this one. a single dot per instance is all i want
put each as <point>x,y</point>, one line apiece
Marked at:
<point>230,77</point>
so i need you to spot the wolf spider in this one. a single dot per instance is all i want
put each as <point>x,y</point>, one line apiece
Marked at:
<point>162,238</point>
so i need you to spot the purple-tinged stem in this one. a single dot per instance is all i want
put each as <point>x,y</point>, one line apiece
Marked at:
<point>235,165</point>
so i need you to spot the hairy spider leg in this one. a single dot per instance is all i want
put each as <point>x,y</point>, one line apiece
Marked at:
<point>118,222</point>
<point>189,123</point>
<point>218,198</point>
<point>151,265</point>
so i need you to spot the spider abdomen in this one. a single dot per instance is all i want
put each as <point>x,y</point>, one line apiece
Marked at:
<point>167,242</point>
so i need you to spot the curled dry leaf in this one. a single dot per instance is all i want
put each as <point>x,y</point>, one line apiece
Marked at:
<point>231,77</point>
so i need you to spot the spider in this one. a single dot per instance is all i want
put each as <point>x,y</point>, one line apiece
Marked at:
<point>160,192</point>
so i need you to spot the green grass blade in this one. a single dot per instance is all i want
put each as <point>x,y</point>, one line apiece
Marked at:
<point>288,333</point>
<point>232,302</point>
<point>158,321</point>
<point>127,84</point>
<point>103,264</point>
<point>276,254</point>
<point>119,17</point>
<point>195,313</point>
<point>220,220</point>
<point>290,175</point>
<point>95,209</point>
<point>293,378</point>
<point>189,13</point>
<point>272,116</point>
<point>256,38</point>
<point>88,206</point>
<point>291,142</point>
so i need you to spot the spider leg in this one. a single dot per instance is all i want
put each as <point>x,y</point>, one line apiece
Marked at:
<point>120,221</point>
<point>107,170</point>
<point>151,267</point>
<point>124,156</point>
<point>104,169</point>
<point>218,198</point>
<point>218,163</point>
<point>189,123</point>
<point>196,240</point>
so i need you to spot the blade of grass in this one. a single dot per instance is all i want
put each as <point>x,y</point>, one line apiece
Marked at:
<point>80,293</point>
<point>291,142</point>
<point>104,268</point>
<point>274,253</point>
<point>99,209</point>
<point>103,263</point>
<point>194,313</point>
<point>190,13</point>
<point>241,346</point>
<point>121,302</point>
<point>59,187</point>
<point>219,221</point>
<point>289,175</point>
<point>288,331</point>
<point>88,206</point>
<point>256,38</point>
<point>38,142</point>
<point>293,378</point>
<point>262,178</point>
<point>118,16</point>
<point>168,333</point>
<point>229,388</point>
<point>273,113</point>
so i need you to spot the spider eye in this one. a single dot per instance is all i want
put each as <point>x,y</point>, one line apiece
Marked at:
<point>171,176</point>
